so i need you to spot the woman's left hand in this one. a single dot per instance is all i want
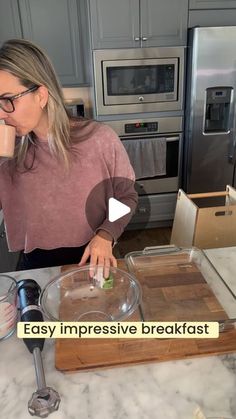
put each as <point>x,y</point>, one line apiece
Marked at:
<point>100,251</point>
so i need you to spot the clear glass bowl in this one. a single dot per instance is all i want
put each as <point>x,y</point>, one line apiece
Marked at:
<point>76,296</point>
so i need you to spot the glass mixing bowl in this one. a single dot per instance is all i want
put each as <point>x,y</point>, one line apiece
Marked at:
<point>76,296</point>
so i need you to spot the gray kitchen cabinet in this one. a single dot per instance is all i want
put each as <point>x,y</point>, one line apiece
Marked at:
<point>9,20</point>
<point>217,17</point>
<point>138,23</point>
<point>60,27</point>
<point>212,13</point>
<point>156,210</point>
<point>8,260</point>
<point>164,23</point>
<point>212,4</point>
<point>56,26</point>
<point>114,24</point>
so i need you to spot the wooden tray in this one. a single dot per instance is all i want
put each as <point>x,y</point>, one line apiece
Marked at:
<point>170,293</point>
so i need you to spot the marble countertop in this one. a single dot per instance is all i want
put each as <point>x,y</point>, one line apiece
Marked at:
<point>167,390</point>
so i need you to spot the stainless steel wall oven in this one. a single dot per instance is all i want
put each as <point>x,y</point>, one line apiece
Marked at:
<point>138,80</point>
<point>154,147</point>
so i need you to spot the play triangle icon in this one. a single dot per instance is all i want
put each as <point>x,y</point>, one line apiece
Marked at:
<point>116,209</point>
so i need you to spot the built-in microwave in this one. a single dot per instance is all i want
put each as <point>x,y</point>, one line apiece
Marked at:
<point>138,80</point>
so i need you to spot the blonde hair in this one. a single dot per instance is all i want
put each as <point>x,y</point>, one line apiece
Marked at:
<point>32,66</point>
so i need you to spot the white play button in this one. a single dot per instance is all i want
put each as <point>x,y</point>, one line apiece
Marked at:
<point>116,209</point>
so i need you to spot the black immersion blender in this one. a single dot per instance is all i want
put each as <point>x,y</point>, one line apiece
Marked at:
<point>45,399</point>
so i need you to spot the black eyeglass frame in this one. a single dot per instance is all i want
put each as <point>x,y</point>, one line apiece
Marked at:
<point>12,98</point>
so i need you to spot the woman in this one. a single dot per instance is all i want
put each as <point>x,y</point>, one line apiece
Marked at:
<point>54,192</point>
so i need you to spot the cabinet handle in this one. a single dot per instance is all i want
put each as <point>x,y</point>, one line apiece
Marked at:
<point>144,38</point>
<point>137,38</point>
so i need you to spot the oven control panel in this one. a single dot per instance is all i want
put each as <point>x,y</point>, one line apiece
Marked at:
<point>138,127</point>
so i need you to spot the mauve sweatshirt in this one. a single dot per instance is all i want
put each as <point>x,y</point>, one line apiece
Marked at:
<point>48,207</point>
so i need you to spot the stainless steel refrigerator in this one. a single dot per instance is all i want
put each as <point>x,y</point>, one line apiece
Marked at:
<point>210,126</point>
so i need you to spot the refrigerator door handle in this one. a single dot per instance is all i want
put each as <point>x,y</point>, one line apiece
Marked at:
<point>232,152</point>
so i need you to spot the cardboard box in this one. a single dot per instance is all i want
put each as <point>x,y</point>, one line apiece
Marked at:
<point>202,223</point>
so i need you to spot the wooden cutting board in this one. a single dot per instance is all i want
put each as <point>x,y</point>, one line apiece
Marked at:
<point>171,292</point>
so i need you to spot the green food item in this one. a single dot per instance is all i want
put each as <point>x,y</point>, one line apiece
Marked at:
<point>108,283</point>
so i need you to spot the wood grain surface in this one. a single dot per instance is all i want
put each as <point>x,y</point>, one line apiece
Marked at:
<point>172,290</point>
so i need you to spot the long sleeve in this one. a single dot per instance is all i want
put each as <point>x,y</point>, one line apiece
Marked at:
<point>48,207</point>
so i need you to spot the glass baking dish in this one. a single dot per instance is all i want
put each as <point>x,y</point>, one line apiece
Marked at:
<point>181,285</point>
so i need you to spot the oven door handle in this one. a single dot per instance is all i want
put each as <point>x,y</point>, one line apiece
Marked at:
<point>146,137</point>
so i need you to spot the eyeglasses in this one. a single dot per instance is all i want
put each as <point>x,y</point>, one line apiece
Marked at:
<point>7,102</point>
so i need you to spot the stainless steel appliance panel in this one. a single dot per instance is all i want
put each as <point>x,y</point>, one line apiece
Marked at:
<point>166,125</point>
<point>160,90</point>
<point>210,110</point>
<point>169,128</point>
<point>171,181</point>
<point>157,194</point>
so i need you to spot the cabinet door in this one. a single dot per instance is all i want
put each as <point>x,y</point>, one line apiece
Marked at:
<point>153,209</point>
<point>212,4</point>
<point>114,23</point>
<point>55,25</point>
<point>9,20</point>
<point>212,17</point>
<point>164,23</point>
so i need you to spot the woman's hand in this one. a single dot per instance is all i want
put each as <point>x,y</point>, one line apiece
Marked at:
<point>100,251</point>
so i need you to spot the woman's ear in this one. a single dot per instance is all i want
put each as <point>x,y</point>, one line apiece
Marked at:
<point>43,96</point>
